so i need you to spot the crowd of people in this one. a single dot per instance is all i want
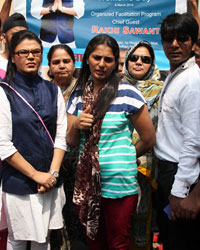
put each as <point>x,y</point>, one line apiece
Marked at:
<point>104,158</point>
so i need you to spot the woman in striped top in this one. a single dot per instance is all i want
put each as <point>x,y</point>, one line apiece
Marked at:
<point>101,117</point>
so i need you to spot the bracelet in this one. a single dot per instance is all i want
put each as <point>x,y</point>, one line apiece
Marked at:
<point>54,173</point>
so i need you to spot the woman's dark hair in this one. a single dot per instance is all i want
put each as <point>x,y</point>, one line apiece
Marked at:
<point>17,38</point>
<point>180,23</point>
<point>110,92</point>
<point>53,49</point>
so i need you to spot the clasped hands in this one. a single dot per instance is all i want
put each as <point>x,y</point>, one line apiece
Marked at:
<point>46,181</point>
<point>57,5</point>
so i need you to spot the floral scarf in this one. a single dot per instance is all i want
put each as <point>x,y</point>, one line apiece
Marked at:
<point>87,190</point>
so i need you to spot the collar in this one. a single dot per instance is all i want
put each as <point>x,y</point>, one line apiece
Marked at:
<point>29,81</point>
<point>187,64</point>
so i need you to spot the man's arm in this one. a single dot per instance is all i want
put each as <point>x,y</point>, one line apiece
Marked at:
<point>188,166</point>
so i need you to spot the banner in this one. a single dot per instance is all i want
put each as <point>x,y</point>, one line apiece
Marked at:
<point>75,22</point>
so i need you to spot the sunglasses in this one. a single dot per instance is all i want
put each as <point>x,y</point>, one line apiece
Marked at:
<point>25,53</point>
<point>179,38</point>
<point>144,59</point>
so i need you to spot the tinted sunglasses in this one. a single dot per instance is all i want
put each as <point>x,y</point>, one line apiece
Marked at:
<point>144,59</point>
<point>179,38</point>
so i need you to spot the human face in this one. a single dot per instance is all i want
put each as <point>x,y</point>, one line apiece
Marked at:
<point>12,31</point>
<point>197,55</point>
<point>6,38</point>
<point>178,49</point>
<point>61,67</point>
<point>29,65</point>
<point>122,55</point>
<point>101,63</point>
<point>139,69</point>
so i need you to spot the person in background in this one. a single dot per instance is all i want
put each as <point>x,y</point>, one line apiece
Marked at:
<point>141,71</point>
<point>178,133</point>
<point>61,63</point>
<point>194,10</point>
<point>122,54</point>
<point>12,24</point>
<point>57,20</point>
<point>101,117</point>
<point>32,146</point>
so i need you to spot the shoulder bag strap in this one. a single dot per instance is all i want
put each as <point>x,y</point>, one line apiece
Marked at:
<point>28,104</point>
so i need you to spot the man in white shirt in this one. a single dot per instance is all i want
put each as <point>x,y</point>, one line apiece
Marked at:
<point>178,134</point>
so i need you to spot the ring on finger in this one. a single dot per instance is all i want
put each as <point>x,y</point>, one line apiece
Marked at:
<point>53,182</point>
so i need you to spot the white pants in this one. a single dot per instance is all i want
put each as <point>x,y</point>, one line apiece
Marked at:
<point>21,244</point>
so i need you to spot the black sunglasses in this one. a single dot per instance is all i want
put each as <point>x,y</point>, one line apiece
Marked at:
<point>144,59</point>
<point>179,38</point>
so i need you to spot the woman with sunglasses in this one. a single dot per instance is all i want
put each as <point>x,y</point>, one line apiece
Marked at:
<point>32,146</point>
<point>101,116</point>
<point>141,71</point>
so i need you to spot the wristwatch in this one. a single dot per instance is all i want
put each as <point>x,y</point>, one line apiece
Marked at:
<point>51,9</point>
<point>54,173</point>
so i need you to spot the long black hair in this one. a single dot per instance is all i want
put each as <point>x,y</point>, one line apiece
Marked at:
<point>17,38</point>
<point>110,92</point>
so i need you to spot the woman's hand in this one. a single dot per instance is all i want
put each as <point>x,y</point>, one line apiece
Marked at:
<point>18,162</point>
<point>85,120</point>
<point>59,5</point>
<point>41,189</point>
<point>45,180</point>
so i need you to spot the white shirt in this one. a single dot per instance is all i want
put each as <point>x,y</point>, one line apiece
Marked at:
<point>3,66</point>
<point>36,8</point>
<point>178,132</point>
<point>6,145</point>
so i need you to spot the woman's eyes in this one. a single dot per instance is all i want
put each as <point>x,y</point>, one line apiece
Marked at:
<point>65,61</point>
<point>106,58</point>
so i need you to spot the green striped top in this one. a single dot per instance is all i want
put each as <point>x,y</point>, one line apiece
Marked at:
<point>117,155</point>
